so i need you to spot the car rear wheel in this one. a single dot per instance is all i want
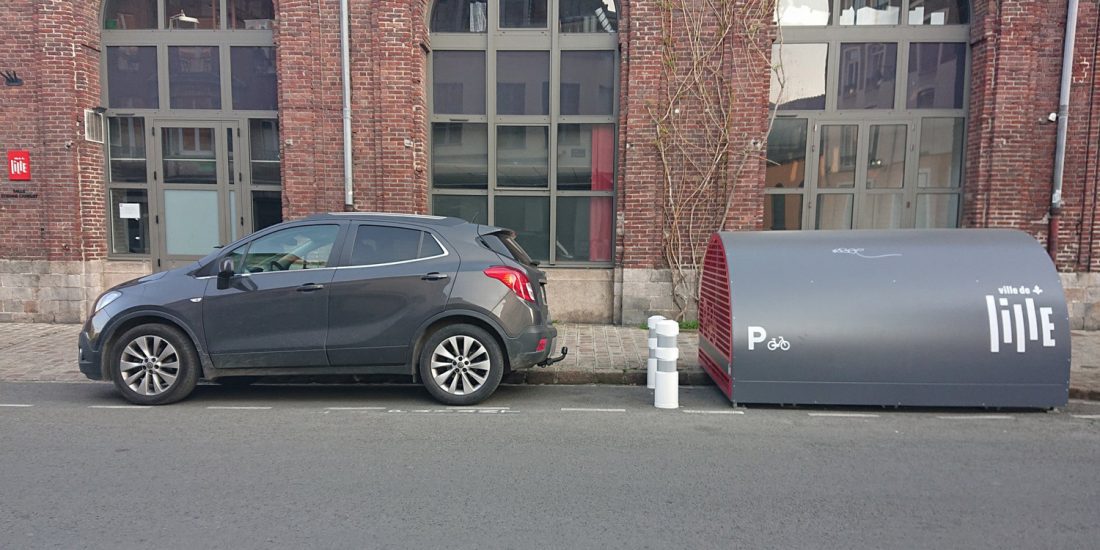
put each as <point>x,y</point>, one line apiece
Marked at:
<point>461,364</point>
<point>154,364</point>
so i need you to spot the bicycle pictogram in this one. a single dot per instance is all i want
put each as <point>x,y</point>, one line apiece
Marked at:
<point>779,343</point>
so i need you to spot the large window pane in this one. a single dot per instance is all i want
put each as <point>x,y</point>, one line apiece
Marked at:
<point>586,157</point>
<point>194,77</point>
<point>132,77</point>
<point>191,222</point>
<point>189,155</point>
<point>460,16</point>
<point>191,14</point>
<point>937,211</point>
<point>587,83</point>
<point>266,163</point>
<point>939,12</point>
<point>796,13</point>
<point>834,211</point>
<point>126,136</point>
<point>267,209</point>
<point>783,212</point>
<point>882,211</point>
<point>886,156</point>
<point>838,156</point>
<point>129,221</point>
<point>584,229</point>
<point>129,14</point>
<point>250,14</point>
<point>254,78</point>
<point>588,16</point>
<point>941,152</point>
<point>867,75</point>
<point>523,83</point>
<point>936,75</point>
<point>529,217</point>
<point>472,208</point>
<point>460,155</point>
<point>786,168</point>
<point>458,82</point>
<point>870,12</point>
<point>523,14</point>
<point>523,156</point>
<point>798,78</point>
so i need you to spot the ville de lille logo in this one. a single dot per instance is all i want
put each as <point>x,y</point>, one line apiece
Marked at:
<point>1014,319</point>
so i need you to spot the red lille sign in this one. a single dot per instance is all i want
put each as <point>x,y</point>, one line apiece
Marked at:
<point>19,165</point>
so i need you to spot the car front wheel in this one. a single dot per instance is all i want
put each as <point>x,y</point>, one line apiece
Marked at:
<point>461,364</point>
<point>154,364</point>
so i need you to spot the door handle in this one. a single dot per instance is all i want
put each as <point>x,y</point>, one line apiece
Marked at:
<point>434,276</point>
<point>310,287</point>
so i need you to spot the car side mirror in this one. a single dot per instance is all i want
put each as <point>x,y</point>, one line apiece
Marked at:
<point>225,268</point>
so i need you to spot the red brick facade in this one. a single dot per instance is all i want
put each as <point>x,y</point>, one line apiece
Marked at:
<point>1016,48</point>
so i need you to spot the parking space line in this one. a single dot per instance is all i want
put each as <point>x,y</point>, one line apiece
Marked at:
<point>227,408</point>
<point>15,405</point>
<point>843,415</point>
<point>119,407</point>
<point>569,409</point>
<point>691,411</point>
<point>476,408</point>
<point>1087,416</point>
<point>355,408</point>
<point>976,417</point>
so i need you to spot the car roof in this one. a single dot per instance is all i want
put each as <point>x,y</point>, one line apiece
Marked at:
<point>422,219</point>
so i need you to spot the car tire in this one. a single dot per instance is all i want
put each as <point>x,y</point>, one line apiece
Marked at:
<point>461,364</point>
<point>153,364</point>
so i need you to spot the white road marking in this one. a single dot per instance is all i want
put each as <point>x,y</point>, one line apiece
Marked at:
<point>475,408</point>
<point>218,408</point>
<point>976,417</point>
<point>844,415</point>
<point>1087,416</point>
<point>355,408</point>
<point>690,411</point>
<point>119,407</point>
<point>567,409</point>
<point>15,405</point>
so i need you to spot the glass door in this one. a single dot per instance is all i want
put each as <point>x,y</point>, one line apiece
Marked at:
<point>195,184</point>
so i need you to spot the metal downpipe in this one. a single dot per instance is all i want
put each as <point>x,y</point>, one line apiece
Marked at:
<point>1063,125</point>
<point>345,70</point>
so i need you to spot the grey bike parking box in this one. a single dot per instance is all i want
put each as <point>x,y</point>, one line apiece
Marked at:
<point>966,318</point>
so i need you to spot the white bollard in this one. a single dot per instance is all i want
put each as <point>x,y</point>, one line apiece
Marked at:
<point>667,380</point>
<point>651,363</point>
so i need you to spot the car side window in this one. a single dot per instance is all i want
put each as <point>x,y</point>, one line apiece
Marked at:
<point>379,244</point>
<point>307,247</point>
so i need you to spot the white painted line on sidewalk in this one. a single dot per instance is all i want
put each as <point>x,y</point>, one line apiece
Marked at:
<point>844,415</point>
<point>976,417</point>
<point>690,411</point>
<point>568,409</point>
<point>15,405</point>
<point>1087,416</point>
<point>119,407</point>
<point>226,408</point>
<point>355,408</point>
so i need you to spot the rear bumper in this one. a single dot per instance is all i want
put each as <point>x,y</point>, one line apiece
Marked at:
<point>522,352</point>
<point>88,359</point>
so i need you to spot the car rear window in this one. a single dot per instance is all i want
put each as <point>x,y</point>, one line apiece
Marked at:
<point>505,245</point>
<point>379,244</point>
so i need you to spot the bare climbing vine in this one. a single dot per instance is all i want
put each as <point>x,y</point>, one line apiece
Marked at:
<point>708,130</point>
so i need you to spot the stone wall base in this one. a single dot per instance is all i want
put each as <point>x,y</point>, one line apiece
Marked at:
<point>648,292</point>
<point>45,291</point>
<point>1082,300</point>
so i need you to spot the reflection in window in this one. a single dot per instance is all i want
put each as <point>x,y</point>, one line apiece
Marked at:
<point>523,83</point>
<point>886,156</point>
<point>192,14</point>
<point>783,211</point>
<point>584,229</point>
<point>129,221</point>
<point>522,156</point>
<point>586,157</point>
<point>529,217</point>
<point>126,137</point>
<point>129,14</point>
<point>588,16</point>
<point>523,14</point>
<point>838,156</point>
<point>786,167</point>
<point>870,12</point>
<point>194,78</point>
<point>472,208</point>
<point>797,13</point>
<point>263,135</point>
<point>867,75</point>
<point>834,211</point>
<point>188,155</point>
<point>941,151</point>
<point>307,247</point>
<point>250,14</point>
<point>939,12</point>
<point>267,209</point>
<point>458,83</point>
<point>460,16</point>
<point>798,79</point>
<point>132,77</point>
<point>254,78</point>
<point>587,83</point>
<point>937,211</point>
<point>460,155</point>
<point>936,75</point>
<point>376,244</point>
<point>883,211</point>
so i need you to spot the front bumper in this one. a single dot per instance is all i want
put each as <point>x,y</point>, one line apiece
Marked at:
<point>521,350</point>
<point>88,359</point>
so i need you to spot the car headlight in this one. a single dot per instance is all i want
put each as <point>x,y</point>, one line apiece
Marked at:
<point>107,298</point>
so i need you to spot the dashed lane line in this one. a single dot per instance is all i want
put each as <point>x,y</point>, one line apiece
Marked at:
<point>571,409</point>
<point>355,408</point>
<point>118,407</point>
<point>1087,416</point>
<point>226,408</point>
<point>15,405</point>
<point>976,417</point>
<point>843,415</point>
<point>692,411</point>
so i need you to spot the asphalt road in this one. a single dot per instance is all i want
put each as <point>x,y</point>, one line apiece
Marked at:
<point>551,466</point>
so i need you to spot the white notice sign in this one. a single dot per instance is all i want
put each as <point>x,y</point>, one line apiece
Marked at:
<point>129,210</point>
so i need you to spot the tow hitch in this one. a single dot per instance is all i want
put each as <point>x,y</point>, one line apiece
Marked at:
<point>551,360</point>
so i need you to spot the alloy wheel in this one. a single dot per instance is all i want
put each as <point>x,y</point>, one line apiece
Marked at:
<point>149,365</point>
<point>460,365</point>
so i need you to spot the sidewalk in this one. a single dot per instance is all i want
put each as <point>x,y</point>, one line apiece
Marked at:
<point>598,354</point>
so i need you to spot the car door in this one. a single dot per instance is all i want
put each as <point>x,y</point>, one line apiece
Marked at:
<point>274,311</point>
<point>391,280</point>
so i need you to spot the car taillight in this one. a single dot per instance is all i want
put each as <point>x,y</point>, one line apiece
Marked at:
<point>513,279</point>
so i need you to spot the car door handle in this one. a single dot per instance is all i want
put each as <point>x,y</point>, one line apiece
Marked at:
<point>434,276</point>
<point>310,287</point>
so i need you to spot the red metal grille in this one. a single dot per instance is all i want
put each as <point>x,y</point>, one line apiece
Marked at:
<point>725,383</point>
<point>715,324</point>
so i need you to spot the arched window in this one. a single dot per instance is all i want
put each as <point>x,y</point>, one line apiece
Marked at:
<point>871,114</point>
<point>192,130</point>
<point>524,105</point>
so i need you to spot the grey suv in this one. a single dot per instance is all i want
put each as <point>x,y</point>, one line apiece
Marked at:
<point>454,304</point>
